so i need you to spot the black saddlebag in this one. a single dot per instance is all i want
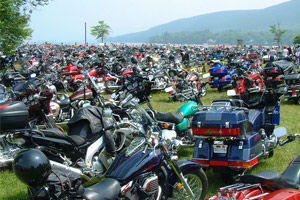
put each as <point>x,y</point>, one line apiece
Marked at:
<point>13,115</point>
<point>292,79</point>
<point>60,184</point>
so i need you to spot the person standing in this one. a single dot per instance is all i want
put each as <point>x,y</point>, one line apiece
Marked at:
<point>291,51</point>
<point>284,52</point>
<point>272,54</point>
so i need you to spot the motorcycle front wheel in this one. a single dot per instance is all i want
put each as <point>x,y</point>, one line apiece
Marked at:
<point>197,180</point>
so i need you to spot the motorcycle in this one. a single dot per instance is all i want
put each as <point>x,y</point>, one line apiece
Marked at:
<point>266,184</point>
<point>146,169</point>
<point>292,81</point>
<point>63,106</point>
<point>220,76</point>
<point>189,88</point>
<point>247,82</point>
<point>233,135</point>
<point>140,86</point>
<point>88,144</point>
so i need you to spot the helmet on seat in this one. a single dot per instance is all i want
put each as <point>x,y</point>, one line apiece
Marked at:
<point>32,167</point>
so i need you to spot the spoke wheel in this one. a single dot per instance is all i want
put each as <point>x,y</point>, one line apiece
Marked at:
<point>197,181</point>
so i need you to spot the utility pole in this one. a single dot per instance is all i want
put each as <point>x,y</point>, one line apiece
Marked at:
<point>85,33</point>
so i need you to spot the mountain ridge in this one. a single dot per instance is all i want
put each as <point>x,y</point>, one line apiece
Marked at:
<point>241,20</point>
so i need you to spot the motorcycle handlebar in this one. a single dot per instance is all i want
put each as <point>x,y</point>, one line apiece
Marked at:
<point>119,125</point>
<point>289,138</point>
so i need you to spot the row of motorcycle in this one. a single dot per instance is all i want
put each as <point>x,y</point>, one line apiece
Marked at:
<point>130,151</point>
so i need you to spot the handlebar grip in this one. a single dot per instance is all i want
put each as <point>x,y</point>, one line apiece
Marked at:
<point>290,138</point>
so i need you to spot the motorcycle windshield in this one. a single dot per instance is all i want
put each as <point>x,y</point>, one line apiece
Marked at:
<point>139,115</point>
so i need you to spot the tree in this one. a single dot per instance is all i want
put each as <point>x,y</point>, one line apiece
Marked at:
<point>14,22</point>
<point>101,30</point>
<point>13,25</point>
<point>297,39</point>
<point>277,32</point>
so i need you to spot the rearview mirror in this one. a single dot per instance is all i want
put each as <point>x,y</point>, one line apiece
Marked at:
<point>280,131</point>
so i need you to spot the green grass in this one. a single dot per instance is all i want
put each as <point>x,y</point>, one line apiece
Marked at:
<point>12,188</point>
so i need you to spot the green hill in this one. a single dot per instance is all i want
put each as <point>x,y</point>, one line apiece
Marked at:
<point>287,14</point>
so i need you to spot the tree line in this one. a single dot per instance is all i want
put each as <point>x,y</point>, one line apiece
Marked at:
<point>229,37</point>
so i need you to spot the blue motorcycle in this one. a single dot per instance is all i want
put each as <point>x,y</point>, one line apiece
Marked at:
<point>233,135</point>
<point>220,76</point>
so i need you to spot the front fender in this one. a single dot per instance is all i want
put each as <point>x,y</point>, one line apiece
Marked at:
<point>184,165</point>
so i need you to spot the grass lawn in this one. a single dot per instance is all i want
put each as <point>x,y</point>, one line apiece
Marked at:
<point>11,188</point>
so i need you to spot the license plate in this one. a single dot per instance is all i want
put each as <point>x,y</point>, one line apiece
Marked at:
<point>226,196</point>
<point>169,89</point>
<point>220,148</point>
<point>216,78</point>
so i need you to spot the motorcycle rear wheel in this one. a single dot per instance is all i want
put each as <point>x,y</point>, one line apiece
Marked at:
<point>197,180</point>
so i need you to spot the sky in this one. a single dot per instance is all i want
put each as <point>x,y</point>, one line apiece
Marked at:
<point>64,20</point>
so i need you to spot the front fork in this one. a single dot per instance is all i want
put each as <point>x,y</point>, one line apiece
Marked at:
<point>179,174</point>
<point>177,171</point>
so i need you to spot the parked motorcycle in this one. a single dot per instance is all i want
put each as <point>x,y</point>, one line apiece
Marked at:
<point>234,135</point>
<point>292,92</point>
<point>144,170</point>
<point>190,88</point>
<point>64,106</point>
<point>266,184</point>
<point>220,76</point>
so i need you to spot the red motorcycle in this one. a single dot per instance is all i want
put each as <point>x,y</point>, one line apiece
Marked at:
<point>267,184</point>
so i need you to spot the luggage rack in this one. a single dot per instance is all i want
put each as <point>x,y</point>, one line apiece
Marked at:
<point>230,191</point>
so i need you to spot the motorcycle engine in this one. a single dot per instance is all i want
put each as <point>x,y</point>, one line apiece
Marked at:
<point>150,185</point>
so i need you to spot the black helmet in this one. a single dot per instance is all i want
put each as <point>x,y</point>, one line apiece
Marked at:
<point>32,167</point>
<point>134,60</point>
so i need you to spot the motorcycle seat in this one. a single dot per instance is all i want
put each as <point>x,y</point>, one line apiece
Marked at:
<point>167,116</point>
<point>269,179</point>
<point>55,133</point>
<point>107,189</point>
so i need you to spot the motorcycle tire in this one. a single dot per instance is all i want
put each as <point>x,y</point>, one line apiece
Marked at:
<point>296,101</point>
<point>198,183</point>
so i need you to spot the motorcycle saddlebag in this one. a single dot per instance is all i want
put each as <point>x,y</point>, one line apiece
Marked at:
<point>293,78</point>
<point>13,115</point>
<point>220,123</point>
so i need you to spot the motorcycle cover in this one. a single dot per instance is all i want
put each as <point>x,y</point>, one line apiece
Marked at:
<point>285,66</point>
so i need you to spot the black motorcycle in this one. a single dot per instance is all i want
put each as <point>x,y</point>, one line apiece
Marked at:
<point>145,170</point>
